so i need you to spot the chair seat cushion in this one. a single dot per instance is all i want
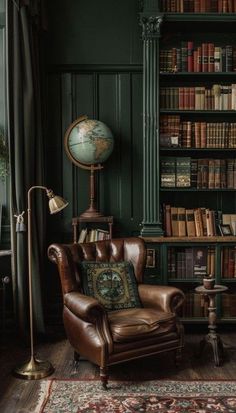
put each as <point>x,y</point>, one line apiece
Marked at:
<point>113,284</point>
<point>140,323</point>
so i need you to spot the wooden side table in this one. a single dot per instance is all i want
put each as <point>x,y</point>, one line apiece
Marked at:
<point>212,337</point>
<point>76,221</point>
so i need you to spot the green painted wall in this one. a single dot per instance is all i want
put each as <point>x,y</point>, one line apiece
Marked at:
<point>92,31</point>
<point>94,54</point>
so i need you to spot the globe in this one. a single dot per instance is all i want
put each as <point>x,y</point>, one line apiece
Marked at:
<point>89,142</point>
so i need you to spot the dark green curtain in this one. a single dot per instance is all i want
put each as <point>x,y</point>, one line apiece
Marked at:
<point>24,30</point>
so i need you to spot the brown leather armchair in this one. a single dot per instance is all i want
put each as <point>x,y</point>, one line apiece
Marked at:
<point>106,338</point>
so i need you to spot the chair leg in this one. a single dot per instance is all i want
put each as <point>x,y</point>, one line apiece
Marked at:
<point>178,357</point>
<point>76,358</point>
<point>104,377</point>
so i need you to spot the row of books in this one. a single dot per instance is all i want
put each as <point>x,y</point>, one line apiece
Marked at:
<point>185,172</point>
<point>190,222</point>
<point>198,6</point>
<point>187,134</point>
<point>228,262</point>
<point>204,58</point>
<point>195,305</point>
<point>228,305</point>
<point>90,235</point>
<point>187,263</point>
<point>194,262</point>
<point>216,97</point>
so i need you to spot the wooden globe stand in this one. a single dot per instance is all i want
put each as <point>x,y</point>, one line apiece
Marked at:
<point>92,211</point>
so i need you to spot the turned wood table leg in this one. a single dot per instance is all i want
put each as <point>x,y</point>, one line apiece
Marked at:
<point>212,337</point>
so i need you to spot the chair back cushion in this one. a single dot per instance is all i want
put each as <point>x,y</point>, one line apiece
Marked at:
<point>69,256</point>
<point>113,284</point>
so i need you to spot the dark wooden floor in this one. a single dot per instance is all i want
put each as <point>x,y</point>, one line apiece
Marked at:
<point>19,396</point>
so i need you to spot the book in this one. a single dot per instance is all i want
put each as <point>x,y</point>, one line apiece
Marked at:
<point>189,263</point>
<point>199,261</point>
<point>168,172</point>
<point>181,222</point>
<point>190,223</point>
<point>102,234</point>
<point>167,220</point>
<point>190,56</point>
<point>83,235</point>
<point>183,172</point>
<point>198,222</point>
<point>174,221</point>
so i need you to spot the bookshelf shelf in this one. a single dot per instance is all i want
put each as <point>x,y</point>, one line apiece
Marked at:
<point>197,190</point>
<point>228,281</point>
<point>198,112</point>
<point>193,240</point>
<point>183,280</point>
<point>202,17</point>
<point>194,150</point>
<point>194,320</point>
<point>197,74</point>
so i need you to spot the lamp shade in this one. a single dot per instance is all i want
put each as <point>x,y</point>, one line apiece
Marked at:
<point>56,203</point>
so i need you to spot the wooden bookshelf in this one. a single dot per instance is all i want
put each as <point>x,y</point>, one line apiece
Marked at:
<point>165,36</point>
<point>181,240</point>
<point>163,273</point>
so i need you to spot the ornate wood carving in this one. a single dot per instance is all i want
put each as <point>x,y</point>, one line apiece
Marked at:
<point>151,26</point>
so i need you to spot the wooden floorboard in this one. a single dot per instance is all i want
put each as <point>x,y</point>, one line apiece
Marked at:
<point>19,396</point>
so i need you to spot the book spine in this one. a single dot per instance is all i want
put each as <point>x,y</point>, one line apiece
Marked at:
<point>190,223</point>
<point>217,59</point>
<point>174,221</point>
<point>181,222</point>
<point>229,58</point>
<point>190,56</point>
<point>211,62</point>
<point>204,57</point>
<point>184,56</point>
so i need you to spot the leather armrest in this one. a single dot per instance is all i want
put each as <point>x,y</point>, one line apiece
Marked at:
<point>84,307</point>
<point>163,297</point>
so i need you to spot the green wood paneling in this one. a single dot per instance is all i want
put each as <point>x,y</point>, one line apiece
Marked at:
<point>116,99</point>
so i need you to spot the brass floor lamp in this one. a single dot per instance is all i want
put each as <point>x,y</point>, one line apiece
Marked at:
<point>34,368</point>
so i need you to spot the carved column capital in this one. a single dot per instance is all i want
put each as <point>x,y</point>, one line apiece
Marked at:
<point>151,26</point>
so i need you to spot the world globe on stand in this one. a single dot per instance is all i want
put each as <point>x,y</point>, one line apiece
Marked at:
<point>89,143</point>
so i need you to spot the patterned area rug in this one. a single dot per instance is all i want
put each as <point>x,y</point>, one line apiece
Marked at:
<point>74,396</point>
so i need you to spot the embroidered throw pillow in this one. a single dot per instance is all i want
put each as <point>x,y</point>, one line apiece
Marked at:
<point>113,284</point>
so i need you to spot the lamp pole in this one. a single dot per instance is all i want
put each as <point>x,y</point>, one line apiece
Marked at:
<point>34,368</point>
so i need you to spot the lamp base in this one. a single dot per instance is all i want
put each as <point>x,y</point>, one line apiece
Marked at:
<point>34,369</point>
